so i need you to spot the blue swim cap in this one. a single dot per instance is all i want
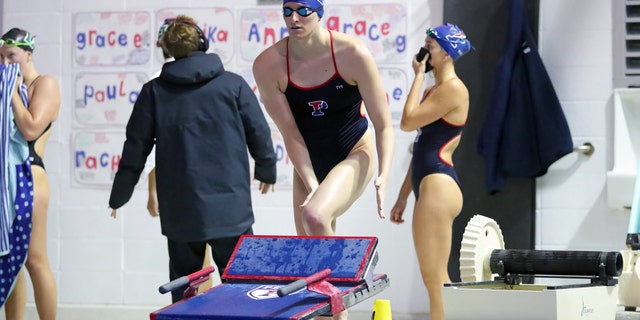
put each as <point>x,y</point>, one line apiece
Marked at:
<point>313,4</point>
<point>452,40</point>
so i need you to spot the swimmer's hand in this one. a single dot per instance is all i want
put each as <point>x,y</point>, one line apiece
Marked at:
<point>309,196</point>
<point>398,210</point>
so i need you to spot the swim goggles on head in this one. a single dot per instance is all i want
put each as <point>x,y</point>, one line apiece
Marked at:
<point>14,43</point>
<point>164,27</point>
<point>302,11</point>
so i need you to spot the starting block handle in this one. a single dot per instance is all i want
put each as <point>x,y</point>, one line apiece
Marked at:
<point>301,283</point>
<point>185,280</point>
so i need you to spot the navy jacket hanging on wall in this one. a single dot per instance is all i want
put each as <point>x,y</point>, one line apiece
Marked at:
<point>525,130</point>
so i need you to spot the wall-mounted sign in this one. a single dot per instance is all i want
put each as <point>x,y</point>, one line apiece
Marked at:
<point>96,157</point>
<point>217,24</point>
<point>382,27</point>
<point>111,38</point>
<point>106,98</point>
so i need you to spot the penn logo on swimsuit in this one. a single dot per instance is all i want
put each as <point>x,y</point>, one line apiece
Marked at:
<point>265,292</point>
<point>318,106</point>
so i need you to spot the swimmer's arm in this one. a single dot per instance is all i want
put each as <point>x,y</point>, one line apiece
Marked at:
<point>397,211</point>
<point>272,93</point>
<point>408,121</point>
<point>43,108</point>
<point>405,189</point>
<point>440,101</point>
<point>361,68</point>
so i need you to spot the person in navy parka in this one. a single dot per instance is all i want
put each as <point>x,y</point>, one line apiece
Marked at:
<point>202,119</point>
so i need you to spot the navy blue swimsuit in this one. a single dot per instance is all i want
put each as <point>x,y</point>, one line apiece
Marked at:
<point>330,118</point>
<point>428,145</point>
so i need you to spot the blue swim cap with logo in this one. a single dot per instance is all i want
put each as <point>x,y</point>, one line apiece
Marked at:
<point>452,40</point>
<point>313,4</point>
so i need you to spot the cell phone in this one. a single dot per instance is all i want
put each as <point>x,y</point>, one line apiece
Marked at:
<point>423,52</point>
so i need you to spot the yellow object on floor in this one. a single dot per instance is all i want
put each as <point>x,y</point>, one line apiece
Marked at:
<point>381,310</point>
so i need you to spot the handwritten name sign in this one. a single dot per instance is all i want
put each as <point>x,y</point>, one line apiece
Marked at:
<point>111,39</point>
<point>217,24</point>
<point>106,98</point>
<point>382,27</point>
<point>96,156</point>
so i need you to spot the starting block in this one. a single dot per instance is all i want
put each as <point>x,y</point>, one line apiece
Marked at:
<point>283,277</point>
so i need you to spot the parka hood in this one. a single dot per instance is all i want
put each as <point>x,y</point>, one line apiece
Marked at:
<point>197,68</point>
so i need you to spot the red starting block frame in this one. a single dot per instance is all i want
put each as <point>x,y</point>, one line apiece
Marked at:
<point>282,277</point>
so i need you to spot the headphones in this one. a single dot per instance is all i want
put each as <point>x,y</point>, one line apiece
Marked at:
<point>203,42</point>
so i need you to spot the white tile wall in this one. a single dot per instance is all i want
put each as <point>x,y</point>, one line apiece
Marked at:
<point>120,263</point>
<point>32,6</point>
<point>572,15</point>
<point>579,113</point>
<point>576,41</point>
<point>596,86</point>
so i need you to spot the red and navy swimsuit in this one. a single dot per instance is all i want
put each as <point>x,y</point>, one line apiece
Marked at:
<point>427,149</point>
<point>330,118</point>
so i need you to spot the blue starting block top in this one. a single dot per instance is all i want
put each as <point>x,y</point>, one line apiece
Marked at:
<point>251,301</point>
<point>261,265</point>
<point>292,257</point>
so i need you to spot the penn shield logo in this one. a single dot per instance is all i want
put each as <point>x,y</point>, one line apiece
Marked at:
<point>266,292</point>
<point>318,107</point>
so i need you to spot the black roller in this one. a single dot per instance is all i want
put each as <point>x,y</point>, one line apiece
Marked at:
<point>577,263</point>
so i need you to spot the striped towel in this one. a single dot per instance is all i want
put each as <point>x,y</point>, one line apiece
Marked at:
<point>16,186</point>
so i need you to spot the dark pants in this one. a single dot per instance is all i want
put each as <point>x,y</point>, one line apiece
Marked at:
<point>186,258</point>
